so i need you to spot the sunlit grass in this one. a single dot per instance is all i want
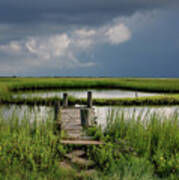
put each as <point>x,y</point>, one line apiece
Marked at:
<point>144,84</point>
<point>133,149</point>
<point>155,139</point>
<point>8,86</point>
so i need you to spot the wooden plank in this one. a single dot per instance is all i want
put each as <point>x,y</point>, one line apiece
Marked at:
<point>72,127</point>
<point>70,120</point>
<point>74,135</point>
<point>82,162</point>
<point>81,142</point>
<point>76,153</point>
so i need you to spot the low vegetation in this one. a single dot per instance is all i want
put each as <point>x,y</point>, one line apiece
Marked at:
<point>141,84</point>
<point>9,86</point>
<point>133,149</point>
<point>139,149</point>
<point>50,101</point>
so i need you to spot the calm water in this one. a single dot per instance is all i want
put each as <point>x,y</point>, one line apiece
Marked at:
<point>83,94</point>
<point>42,113</point>
<point>143,113</point>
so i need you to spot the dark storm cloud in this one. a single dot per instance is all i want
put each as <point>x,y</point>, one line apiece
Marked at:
<point>28,30</point>
<point>84,12</point>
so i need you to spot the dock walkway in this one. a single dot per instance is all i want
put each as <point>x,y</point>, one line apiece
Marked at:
<point>73,120</point>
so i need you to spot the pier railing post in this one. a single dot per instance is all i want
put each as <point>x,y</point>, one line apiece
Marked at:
<point>90,100</point>
<point>65,100</point>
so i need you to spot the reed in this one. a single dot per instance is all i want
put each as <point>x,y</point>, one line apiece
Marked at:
<point>133,149</point>
<point>30,150</point>
<point>152,144</point>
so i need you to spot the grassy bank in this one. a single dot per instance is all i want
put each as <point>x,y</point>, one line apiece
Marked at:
<point>133,150</point>
<point>8,86</point>
<point>140,101</point>
<point>141,84</point>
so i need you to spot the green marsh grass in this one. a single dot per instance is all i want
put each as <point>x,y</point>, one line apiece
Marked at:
<point>30,150</point>
<point>133,149</point>
<point>143,84</point>
<point>137,148</point>
<point>8,86</point>
<point>49,101</point>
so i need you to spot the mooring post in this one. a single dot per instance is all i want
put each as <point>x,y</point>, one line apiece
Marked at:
<point>65,100</point>
<point>90,100</point>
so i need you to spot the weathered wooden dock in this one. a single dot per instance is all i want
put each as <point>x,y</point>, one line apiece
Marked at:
<point>73,120</point>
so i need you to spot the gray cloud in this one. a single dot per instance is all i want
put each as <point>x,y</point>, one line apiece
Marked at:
<point>93,12</point>
<point>20,18</point>
<point>63,49</point>
<point>27,29</point>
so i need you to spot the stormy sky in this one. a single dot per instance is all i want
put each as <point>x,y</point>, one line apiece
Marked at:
<point>118,38</point>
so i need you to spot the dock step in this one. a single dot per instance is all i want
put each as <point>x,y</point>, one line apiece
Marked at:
<point>81,142</point>
<point>82,162</point>
<point>76,153</point>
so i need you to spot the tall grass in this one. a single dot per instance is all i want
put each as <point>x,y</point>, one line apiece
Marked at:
<point>156,139</point>
<point>133,149</point>
<point>29,150</point>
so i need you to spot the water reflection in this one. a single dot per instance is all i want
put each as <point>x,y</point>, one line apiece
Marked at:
<point>83,94</point>
<point>42,113</point>
<point>143,113</point>
<point>39,113</point>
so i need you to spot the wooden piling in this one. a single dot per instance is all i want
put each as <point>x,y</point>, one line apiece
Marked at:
<point>90,100</point>
<point>136,94</point>
<point>57,116</point>
<point>56,110</point>
<point>84,117</point>
<point>65,100</point>
<point>87,116</point>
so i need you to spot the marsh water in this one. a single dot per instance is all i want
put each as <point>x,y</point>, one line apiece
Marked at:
<point>83,94</point>
<point>43,113</point>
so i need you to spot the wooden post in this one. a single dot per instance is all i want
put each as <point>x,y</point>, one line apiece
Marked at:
<point>56,110</point>
<point>87,116</point>
<point>65,100</point>
<point>90,100</point>
<point>84,117</point>
<point>136,94</point>
<point>57,116</point>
